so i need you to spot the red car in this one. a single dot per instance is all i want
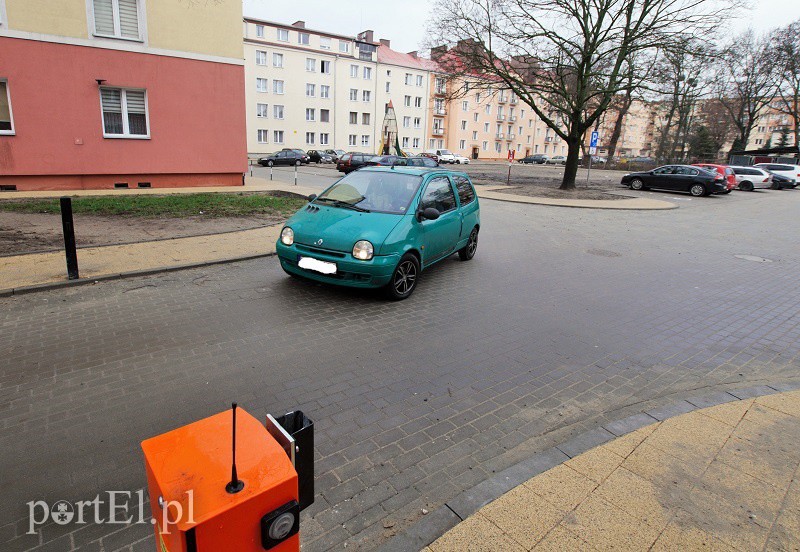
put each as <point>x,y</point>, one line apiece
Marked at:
<point>723,170</point>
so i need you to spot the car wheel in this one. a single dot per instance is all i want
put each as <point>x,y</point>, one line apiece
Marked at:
<point>468,251</point>
<point>270,163</point>
<point>726,192</point>
<point>746,186</point>
<point>697,190</point>
<point>404,278</point>
<point>637,184</point>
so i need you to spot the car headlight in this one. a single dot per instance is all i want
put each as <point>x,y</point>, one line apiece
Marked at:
<point>363,250</point>
<point>287,236</point>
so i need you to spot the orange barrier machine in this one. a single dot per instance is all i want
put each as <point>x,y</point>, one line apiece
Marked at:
<point>213,492</point>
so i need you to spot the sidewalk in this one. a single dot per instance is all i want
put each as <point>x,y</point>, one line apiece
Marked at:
<point>635,204</point>
<point>720,478</point>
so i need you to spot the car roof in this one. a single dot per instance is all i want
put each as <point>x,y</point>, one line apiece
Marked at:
<point>415,171</point>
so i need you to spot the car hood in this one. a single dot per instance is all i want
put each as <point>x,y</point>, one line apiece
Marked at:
<point>340,228</point>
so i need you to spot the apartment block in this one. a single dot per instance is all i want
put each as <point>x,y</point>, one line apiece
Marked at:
<point>120,93</point>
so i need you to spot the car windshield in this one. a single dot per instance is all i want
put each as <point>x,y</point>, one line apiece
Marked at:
<point>445,152</point>
<point>384,192</point>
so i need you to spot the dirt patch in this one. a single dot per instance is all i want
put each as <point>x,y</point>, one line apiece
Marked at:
<point>555,193</point>
<point>22,233</point>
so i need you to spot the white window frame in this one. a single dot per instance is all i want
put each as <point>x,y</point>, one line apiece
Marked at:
<point>274,86</point>
<point>406,122</point>
<point>259,31</point>
<point>366,96</point>
<point>13,131</point>
<point>311,114</point>
<point>324,139</point>
<point>405,141</point>
<point>418,101</point>
<point>367,73</point>
<point>354,94</point>
<point>420,80</point>
<point>282,35</point>
<point>140,15</point>
<point>344,47</point>
<point>265,134</point>
<point>259,110</point>
<point>125,124</point>
<point>310,138</point>
<point>311,65</point>
<point>325,66</point>
<point>352,139</point>
<point>275,109</point>
<point>324,91</point>
<point>417,122</point>
<point>415,143</point>
<point>258,56</point>
<point>407,101</point>
<point>462,145</point>
<point>311,90</point>
<point>325,43</point>
<point>307,37</point>
<point>321,111</point>
<point>354,71</point>
<point>259,80</point>
<point>277,60</point>
<point>275,134</point>
<point>365,140</point>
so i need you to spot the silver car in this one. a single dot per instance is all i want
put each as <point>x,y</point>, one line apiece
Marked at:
<point>752,178</point>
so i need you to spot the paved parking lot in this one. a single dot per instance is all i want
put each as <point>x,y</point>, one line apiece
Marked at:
<point>565,319</point>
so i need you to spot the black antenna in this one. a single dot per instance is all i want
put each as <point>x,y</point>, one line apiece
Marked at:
<point>235,484</point>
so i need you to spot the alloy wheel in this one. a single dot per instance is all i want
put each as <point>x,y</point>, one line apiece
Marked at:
<point>405,278</point>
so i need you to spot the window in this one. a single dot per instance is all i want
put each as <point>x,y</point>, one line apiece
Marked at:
<point>464,105</point>
<point>366,95</point>
<point>486,127</point>
<point>415,143</point>
<point>485,145</point>
<point>353,118</point>
<point>324,115</point>
<point>388,86</point>
<point>277,60</point>
<point>283,35</point>
<point>116,18</point>
<point>351,140</point>
<point>262,136</point>
<point>462,144</point>
<point>124,112</point>
<point>261,85</point>
<point>303,38</point>
<point>440,85</point>
<point>261,57</point>
<point>311,90</point>
<point>407,101</point>
<point>417,122</point>
<point>365,139</point>
<point>477,97</point>
<point>465,192</point>
<point>475,117</point>
<point>418,101</point>
<point>325,67</point>
<point>261,110</point>
<point>474,134</point>
<point>406,122</point>
<point>409,78</point>
<point>367,73</point>
<point>277,111</point>
<point>488,109</point>
<point>463,125</point>
<point>405,141</point>
<point>439,195</point>
<point>365,118</point>
<point>353,95</point>
<point>310,114</point>
<point>431,143</point>
<point>311,65</point>
<point>277,136</point>
<point>6,120</point>
<point>309,138</point>
<point>260,31</point>
<point>324,44</point>
<point>344,47</point>
<point>324,91</point>
<point>498,147</point>
<point>419,80</point>
<point>354,71</point>
<point>277,86</point>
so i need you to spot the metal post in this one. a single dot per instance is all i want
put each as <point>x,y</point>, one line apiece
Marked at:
<point>69,238</point>
<point>270,172</point>
<point>589,170</point>
<point>508,178</point>
<point>295,174</point>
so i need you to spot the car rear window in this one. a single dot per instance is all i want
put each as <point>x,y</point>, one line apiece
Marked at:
<point>465,193</point>
<point>345,157</point>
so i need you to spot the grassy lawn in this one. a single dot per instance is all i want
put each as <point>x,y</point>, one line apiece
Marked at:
<point>176,205</point>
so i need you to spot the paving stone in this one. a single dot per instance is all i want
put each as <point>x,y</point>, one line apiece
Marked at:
<point>629,424</point>
<point>673,409</point>
<point>584,441</point>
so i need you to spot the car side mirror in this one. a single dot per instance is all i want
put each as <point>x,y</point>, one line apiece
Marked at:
<point>312,197</point>
<point>429,213</point>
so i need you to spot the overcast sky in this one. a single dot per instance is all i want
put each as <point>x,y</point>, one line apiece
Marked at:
<point>403,22</point>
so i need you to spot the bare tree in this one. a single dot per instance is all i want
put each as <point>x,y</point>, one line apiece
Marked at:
<point>786,45</point>
<point>745,82</point>
<point>566,59</point>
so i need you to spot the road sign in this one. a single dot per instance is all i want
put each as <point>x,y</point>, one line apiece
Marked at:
<point>594,140</point>
<point>511,155</point>
<point>592,150</point>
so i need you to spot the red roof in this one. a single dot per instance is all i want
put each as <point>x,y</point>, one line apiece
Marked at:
<point>387,55</point>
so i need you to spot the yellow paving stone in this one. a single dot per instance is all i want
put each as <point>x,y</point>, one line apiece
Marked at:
<point>475,534</point>
<point>639,497</point>
<point>743,491</point>
<point>625,445</point>
<point>523,515</point>
<point>562,486</point>
<point>606,527</point>
<point>677,538</point>
<point>661,468</point>
<point>561,539</point>
<point>773,468</point>
<point>728,413</point>
<point>596,464</point>
<point>788,403</point>
<point>693,439</point>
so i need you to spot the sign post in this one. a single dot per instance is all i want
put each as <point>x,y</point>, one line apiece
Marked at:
<point>511,154</point>
<point>592,150</point>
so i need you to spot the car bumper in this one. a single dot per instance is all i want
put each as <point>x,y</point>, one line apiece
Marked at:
<point>349,272</point>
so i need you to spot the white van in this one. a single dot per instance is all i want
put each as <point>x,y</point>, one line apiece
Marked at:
<point>444,156</point>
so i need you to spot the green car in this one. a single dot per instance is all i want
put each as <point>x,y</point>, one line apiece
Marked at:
<point>379,227</point>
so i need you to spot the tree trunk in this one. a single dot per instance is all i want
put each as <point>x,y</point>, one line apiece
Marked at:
<point>615,134</point>
<point>571,167</point>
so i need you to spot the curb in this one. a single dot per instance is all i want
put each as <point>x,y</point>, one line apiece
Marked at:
<point>122,275</point>
<point>541,201</point>
<point>454,511</point>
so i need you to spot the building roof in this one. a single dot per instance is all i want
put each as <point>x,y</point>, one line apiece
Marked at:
<point>302,29</point>
<point>392,57</point>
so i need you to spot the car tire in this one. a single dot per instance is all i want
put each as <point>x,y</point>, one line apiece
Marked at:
<point>404,278</point>
<point>467,252</point>
<point>698,190</point>
<point>746,186</point>
<point>726,192</point>
<point>270,163</point>
<point>637,184</point>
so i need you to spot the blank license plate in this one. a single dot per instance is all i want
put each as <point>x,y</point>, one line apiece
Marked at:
<point>316,265</point>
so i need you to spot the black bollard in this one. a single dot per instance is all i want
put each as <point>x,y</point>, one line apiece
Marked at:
<point>69,238</point>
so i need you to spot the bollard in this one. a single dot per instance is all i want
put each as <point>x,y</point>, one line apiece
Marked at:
<point>295,174</point>
<point>270,172</point>
<point>69,238</point>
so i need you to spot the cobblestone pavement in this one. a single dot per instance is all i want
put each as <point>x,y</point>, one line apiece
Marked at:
<point>565,320</point>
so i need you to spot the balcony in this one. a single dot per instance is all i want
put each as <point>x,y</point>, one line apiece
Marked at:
<point>438,132</point>
<point>514,100</point>
<point>440,111</point>
<point>512,118</point>
<point>501,117</point>
<point>511,136</point>
<point>440,91</point>
<point>548,138</point>
<point>499,136</point>
<point>502,100</point>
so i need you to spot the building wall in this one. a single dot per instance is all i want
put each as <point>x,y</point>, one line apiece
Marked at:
<point>52,17</point>
<point>212,28</point>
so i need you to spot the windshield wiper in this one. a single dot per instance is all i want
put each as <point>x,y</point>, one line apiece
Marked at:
<point>345,204</point>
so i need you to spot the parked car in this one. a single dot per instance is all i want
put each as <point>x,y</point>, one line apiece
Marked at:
<point>335,154</point>
<point>315,156</point>
<point>381,227</point>
<point>461,160</point>
<point>642,160</point>
<point>556,160</point>
<point>430,156</point>
<point>598,160</point>
<point>284,157</point>
<point>677,178</point>
<point>723,170</point>
<point>387,161</point>
<point>422,161</point>
<point>780,182</point>
<point>752,178</point>
<point>783,169</point>
<point>443,156</point>
<point>350,162</point>
<point>535,159</point>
